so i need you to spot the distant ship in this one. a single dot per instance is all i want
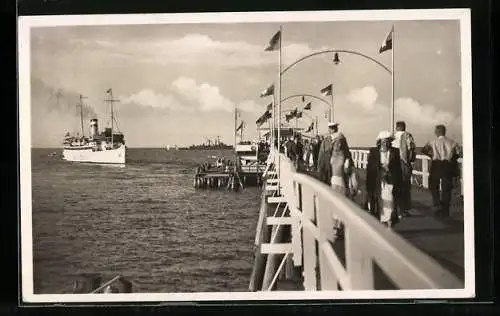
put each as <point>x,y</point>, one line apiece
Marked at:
<point>215,145</point>
<point>168,147</point>
<point>107,147</point>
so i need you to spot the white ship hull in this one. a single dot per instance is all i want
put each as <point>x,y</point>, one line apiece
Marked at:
<point>110,156</point>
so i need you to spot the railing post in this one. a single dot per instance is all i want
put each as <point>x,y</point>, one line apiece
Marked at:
<point>296,230</point>
<point>425,172</point>
<point>359,266</point>
<point>309,241</point>
<point>324,222</point>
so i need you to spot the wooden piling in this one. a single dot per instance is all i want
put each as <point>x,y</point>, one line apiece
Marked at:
<point>263,235</point>
<point>273,260</point>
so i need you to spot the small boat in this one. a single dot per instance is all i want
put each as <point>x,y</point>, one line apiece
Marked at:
<point>93,284</point>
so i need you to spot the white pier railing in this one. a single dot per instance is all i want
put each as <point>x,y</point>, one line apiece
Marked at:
<point>420,173</point>
<point>312,206</point>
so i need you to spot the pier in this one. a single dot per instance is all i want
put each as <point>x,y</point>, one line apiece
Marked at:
<point>294,249</point>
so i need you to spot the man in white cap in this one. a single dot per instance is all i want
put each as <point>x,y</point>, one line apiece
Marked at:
<point>335,167</point>
<point>325,153</point>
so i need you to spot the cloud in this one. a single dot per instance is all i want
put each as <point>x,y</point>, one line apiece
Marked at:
<point>207,97</point>
<point>407,108</point>
<point>191,49</point>
<point>150,98</point>
<point>425,115</point>
<point>366,97</point>
<point>187,95</point>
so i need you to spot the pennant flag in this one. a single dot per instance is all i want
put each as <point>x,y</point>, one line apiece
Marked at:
<point>274,42</point>
<point>326,91</point>
<point>268,91</point>
<point>270,107</point>
<point>263,118</point>
<point>260,121</point>
<point>288,117</point>
<point>108,91</point>
<point>308,106</point>
<point>240,127</point>
<point>310,128</point>
<point>298,114</point>
<point>303,99</point>
<point>387,44</point>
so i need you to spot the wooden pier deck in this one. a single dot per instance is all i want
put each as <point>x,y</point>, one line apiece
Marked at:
<point>440,238</point>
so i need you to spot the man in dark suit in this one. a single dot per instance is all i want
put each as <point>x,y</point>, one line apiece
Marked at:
<point>299,152</point>
<point>383,179</point>
<point>315,151</point>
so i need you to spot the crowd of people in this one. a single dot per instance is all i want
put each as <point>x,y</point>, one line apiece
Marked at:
<point>388,172</point>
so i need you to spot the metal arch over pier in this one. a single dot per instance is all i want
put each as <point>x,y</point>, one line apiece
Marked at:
<point>326,51</point>
<point>306,95</point>
<point>294,233</point>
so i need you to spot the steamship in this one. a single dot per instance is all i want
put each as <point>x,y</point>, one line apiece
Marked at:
<point>106,147</point>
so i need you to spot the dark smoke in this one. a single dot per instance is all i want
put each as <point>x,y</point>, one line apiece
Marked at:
<point>59,100</point>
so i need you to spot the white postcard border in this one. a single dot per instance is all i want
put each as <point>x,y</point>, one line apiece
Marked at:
<point>27,22</point>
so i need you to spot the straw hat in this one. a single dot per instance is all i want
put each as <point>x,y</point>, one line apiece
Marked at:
<point>385,135</point>
<point>332,124</point>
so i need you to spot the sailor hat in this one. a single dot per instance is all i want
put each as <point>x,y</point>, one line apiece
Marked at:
<point>332,124</point>
<point>385,135</point>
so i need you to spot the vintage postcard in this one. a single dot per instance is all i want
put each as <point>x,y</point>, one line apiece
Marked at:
<point>246,156</point>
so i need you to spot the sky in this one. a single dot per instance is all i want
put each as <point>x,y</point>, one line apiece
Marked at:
<point>179,83</point>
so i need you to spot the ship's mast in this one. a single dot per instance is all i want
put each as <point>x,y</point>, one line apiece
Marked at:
<point>111,101</point>
<point>81,112</point>
<point>235,122</point>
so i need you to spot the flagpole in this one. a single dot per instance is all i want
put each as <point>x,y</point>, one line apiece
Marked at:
<point>279,99</point>
<point>235,123</point>
<point>392,78</point>
<point>295,132</point>
<point>331,107</point>
<point>316,125</point>
<point>273,124</point>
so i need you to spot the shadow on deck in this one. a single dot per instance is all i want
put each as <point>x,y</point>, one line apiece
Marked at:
<point>440,238</point>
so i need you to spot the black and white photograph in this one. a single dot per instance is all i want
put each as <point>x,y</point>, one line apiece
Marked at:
<point>246,156</point>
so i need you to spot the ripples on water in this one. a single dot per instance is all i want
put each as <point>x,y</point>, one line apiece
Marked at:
<point>145,221</point>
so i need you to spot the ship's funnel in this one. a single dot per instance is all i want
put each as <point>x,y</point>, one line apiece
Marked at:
<point>94,130</point>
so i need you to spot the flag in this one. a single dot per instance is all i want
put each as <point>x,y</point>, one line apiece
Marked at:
<point>270,107</point>
<point>288,117</point>
<point>298,114</point>
<point>268,91</point>
<point>308,106</point>
<point>240,127</point>
<point>310,128</point>
<point>326,91</point>
<point>387,44</point>
<point>263,118</point>
<point>108,91</point>
<point>274,42</point>
<point>259,121</point>
<point>303,99</point>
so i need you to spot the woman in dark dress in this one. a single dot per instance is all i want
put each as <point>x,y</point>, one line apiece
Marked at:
<point>383,179</point>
